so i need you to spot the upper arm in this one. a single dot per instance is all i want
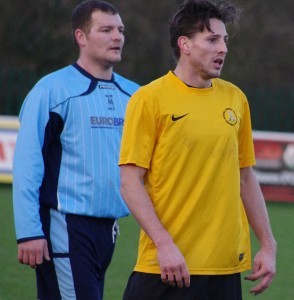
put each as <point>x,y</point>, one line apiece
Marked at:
<point>130,173</point>
<point>245,173</point>
<point>250,187</point>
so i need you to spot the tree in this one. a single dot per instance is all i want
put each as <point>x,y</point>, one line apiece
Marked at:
<point>35,39</point>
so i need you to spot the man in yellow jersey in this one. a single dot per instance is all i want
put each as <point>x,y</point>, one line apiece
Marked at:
<point>187,137</point>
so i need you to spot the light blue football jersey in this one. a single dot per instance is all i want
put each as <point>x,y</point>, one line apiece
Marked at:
<point>67,149</point>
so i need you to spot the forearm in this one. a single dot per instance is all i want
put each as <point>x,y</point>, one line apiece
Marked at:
<point>255,208</point>
<point>172,263</point>
<point>141,206</point>
<point>264,262</point>
<point>26,183</point>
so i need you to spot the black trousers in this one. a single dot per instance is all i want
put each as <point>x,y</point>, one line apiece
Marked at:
<point>143,286</point>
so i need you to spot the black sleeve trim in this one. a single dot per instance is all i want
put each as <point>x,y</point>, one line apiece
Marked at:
<point>30,239</point>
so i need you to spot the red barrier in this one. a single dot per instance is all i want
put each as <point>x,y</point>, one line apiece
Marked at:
<point>274,153</point>
<point>274,168</point>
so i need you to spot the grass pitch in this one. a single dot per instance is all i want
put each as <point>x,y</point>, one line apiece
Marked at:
<point>18,281</point>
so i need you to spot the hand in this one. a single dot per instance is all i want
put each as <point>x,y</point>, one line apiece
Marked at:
<point>173,266</point>
<point>33,252</point>
<point>264,268</point>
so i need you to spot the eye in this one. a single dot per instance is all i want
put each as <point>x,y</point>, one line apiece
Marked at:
<point>213,40</point>
<point>105,29</point>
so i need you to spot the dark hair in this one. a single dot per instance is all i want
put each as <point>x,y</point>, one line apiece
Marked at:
<point>193,16</point>
<point>81,16</point>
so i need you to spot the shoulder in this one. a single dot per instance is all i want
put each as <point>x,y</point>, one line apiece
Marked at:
<point>126,85</point>
<point>67,77</point>
<point>154,87</point>
<point>227,86</point>
<point>62,84</point>
<point>149,96</point>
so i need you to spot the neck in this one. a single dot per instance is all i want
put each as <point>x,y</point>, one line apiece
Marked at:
<point>191,79</point>
<point>96,70</point>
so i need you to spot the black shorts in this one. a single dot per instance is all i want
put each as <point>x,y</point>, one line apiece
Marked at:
<point>81,249</point>
<point>145,286</point>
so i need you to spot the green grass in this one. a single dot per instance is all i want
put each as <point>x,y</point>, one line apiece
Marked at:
<point>282,222</point>
<point>18,281</point>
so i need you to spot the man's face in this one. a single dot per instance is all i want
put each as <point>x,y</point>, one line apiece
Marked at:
<point>207,51</point>
<point>104,40</point>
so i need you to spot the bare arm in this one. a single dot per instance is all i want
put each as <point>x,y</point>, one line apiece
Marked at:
<point>171,261</point>
<point>33,252</point>
<point>254,204</point>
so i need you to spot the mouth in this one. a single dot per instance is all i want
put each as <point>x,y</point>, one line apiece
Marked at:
<point>218,63</point>
<point>116,48</point>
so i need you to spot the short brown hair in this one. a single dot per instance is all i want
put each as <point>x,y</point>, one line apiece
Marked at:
<point>81,16</point>
<point>193,16</point>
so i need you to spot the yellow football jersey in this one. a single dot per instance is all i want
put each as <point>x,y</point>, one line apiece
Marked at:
<point>193,143</point>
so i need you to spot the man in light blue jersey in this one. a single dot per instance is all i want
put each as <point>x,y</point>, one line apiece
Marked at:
<point>66,180</point>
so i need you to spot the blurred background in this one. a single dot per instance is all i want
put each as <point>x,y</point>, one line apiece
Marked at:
<point>35,39</point>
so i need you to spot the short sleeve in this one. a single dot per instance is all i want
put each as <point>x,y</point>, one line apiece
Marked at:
<point>139,133</point>
<point>246,148</point>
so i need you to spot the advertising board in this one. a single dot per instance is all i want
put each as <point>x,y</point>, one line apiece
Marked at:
<point>274,152</point>
<point>8,132</point>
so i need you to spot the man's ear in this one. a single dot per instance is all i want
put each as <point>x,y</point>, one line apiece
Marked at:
<point>183,44</point>
<point>80,36</point>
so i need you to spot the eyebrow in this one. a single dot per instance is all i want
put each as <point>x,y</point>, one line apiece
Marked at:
<point>111,26</point>
<point>226,37</point>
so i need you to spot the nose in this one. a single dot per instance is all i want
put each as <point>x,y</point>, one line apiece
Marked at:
<point>117,35</point>
<point>223,47</point>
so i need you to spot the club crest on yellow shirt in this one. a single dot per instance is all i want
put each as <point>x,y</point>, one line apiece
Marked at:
<point>230,116</point>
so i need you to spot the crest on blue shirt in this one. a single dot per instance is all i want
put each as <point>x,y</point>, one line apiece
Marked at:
<point>110,102</point>
<point>106,87</point>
